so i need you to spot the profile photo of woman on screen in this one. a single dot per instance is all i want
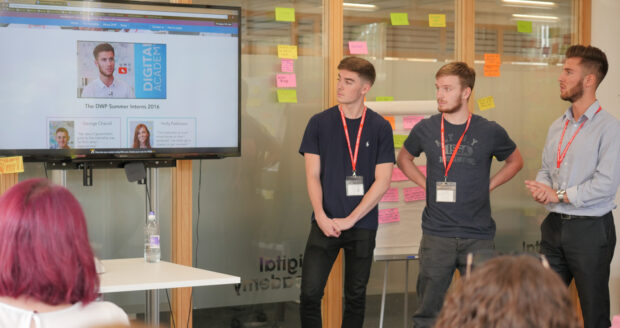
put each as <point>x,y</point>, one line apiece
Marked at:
<point>141,137</point>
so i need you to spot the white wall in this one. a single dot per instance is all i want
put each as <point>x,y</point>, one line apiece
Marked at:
<point>605,28</point>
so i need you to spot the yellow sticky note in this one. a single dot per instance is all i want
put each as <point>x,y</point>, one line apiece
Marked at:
<point>390,98</point>
<point>486,103</point>
<point>391,120</point>
<point>13,164</point>
<point>399,18</point>
<point>285,14</point>
<point>287,96</point>
<point>286,51</point>
<point>524,26</point>
<point>436,20</point>
<point>399,140</point>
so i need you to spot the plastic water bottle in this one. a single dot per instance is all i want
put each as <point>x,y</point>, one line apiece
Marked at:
<point>152,251</point>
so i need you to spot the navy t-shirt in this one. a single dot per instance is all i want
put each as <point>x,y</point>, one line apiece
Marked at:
<point>325,137</point>
<point>470,215</point>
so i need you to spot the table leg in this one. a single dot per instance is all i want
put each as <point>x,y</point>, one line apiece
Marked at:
<point>385,277</point>
<point>151,316</point>
<point>406,292</point>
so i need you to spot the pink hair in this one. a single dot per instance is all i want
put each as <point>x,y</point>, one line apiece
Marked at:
<point>44,248</point>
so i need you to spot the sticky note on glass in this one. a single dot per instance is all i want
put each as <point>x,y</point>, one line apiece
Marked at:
<point>436,20</point>
<point>524,26</point>
<point>391,195</point>
<point>358,48</point>
<point>389,215</point>
<point>286,51</point>
<point>398,175</point>
<point>422,169</point>
<point>390,98</point>
<point>410,121</point>
<point>413,194</point>
<point>287,65</point>
<point>391,120</point>
<point>285,14</point>
<point>286,81</point>
<point>14,164</point>
<point>491,70</point>
<point>287,95</point>
<point>492,59</point>
<point>399,140</point>
<point>486,103</point>
<point>399,18</point>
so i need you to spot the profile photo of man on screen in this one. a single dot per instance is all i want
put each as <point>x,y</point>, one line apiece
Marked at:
<point>106,86</point>
<point>62,139</point>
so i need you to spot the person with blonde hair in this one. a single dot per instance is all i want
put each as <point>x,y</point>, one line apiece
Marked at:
<point>509,292</point>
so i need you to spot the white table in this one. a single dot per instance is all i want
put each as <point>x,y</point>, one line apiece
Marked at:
<point>125,275</point>
<point>388,254</point>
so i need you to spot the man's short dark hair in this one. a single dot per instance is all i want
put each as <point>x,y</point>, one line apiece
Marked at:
<point>102,47</point>
<point>593,60</point>
<point>466,74</point>
<point>360,66</point>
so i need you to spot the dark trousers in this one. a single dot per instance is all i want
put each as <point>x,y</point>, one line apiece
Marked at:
<point>320,254</point>
<point>439,257</point>
<point>582,248</point>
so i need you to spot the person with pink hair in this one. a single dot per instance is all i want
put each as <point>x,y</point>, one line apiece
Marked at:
<point>47,268</point>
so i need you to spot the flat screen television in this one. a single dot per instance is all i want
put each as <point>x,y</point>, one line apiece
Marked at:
<point>119,81</point>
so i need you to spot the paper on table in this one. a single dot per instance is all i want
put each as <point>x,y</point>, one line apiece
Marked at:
<point>389,215</point>
<point>414,193</point>
<point>391,195</point>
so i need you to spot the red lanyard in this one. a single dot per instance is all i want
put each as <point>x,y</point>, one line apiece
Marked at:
<point>359,135</point>
<point>456,149</point>
<point>562,154</point>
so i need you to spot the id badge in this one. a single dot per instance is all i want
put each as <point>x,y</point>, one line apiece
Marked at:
<point>446,192</point>
<point>355,185</point>
<point>555,178</point>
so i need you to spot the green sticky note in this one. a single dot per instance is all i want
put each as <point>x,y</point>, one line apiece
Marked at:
<point>524,26</point>
<point>390,98</point>
<point>287,96</point>
<point>399,18</point>
<point>399,140</point>
<point>285,14</point>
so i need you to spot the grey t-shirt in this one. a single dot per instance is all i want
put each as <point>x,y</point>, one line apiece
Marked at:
<point>470,215</point>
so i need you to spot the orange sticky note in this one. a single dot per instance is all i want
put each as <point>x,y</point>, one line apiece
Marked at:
<point>492,59</point>
<point>14,164</point>
<point>491,70</point>
<point>391,120</point>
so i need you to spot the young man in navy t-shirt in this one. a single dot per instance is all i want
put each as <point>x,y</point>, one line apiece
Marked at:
<point>459,148</point>
<point>349,155</point>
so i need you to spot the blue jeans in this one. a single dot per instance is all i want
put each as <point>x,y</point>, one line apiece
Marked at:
<point>320,254</point>
<point>439,257</point>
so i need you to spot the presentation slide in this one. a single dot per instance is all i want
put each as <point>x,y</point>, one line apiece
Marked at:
<point>108,78</point>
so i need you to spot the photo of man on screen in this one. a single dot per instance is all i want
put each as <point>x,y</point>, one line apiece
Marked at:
<point>106,86</point>
<point>62,139</point>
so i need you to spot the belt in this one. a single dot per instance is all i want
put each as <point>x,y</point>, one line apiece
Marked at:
<point>574,217</point>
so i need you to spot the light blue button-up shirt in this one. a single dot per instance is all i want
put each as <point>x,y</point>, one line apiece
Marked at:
<point>590,172</point>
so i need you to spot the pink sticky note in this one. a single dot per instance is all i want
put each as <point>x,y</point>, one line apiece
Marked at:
<point>391,195</point>
<point>389,215</point>
<point>410,121</point>
<point>358,47</point>
<point>286,81</point>
<point>398,175</point>
<point>287,65</point>
<point>422,169</point>
<point>414,193</point>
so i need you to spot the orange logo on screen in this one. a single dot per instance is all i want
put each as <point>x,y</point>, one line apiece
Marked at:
<point>122,70</point>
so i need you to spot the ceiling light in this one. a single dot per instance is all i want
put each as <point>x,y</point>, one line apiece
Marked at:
<point>358,6</point>
<point>537,17</point>
<point>530,3</point>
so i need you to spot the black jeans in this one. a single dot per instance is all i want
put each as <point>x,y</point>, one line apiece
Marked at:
<point>320,254</point>
<point>439,257</point>
<point>582,248</point>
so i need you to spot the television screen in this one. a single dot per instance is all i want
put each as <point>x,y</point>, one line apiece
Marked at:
<point>110,80</point>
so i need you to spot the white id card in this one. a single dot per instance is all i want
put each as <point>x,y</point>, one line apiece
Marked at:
<point>446,192</point>
<point>354,185</point>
